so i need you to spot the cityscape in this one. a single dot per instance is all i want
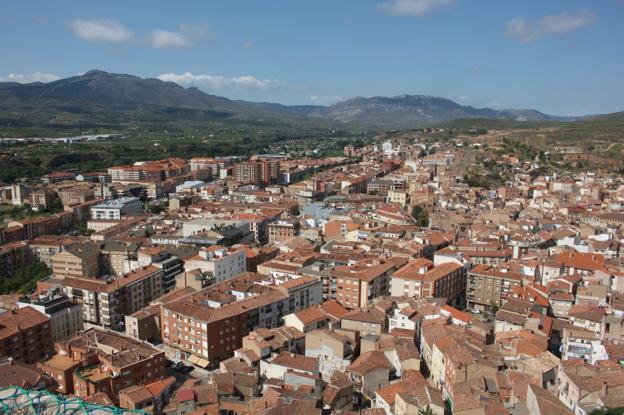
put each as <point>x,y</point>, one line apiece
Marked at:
<point>174,242</point>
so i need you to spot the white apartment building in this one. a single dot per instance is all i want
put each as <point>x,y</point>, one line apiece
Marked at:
<point>114,209</point>
<point>222,262</point>
<point>65,316</point>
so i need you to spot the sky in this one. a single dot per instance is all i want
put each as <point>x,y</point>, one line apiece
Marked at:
<point>562,57</point>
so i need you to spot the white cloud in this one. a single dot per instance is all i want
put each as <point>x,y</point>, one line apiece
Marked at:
<point>522,30</point>
<point>107,31</point>
<point>166,39</point>
<point>526,31</point>
<point>29,77</point>
<point>417,8</point>
<point>565,23</point>
<point>182,38</point>
<point>220,83</point>
<point>325,99</point>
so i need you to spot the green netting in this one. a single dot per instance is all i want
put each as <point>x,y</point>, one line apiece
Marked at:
<point>18,401</point>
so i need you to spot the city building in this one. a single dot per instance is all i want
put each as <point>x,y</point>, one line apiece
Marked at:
<point>106,302</point>
<point>282,230</point>
<point>488,285</point>
<point>211,323</point>
<point>114,209</point>
<point>259,170</point>
<point>65,316</point>
<point>25,335</point>
<point>155,171</point>
<point>420,279</point>
<point>76,261</point>
<point>14,256</point>
<point>98,361</point>
<point>41,198</point>
<point>223,263</point>
<point>45,247</point>
<point>356,285</point>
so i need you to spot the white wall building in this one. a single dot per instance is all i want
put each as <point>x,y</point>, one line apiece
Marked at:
<point>114,209</point>
<point>221,262</point>
<point>65,316</point>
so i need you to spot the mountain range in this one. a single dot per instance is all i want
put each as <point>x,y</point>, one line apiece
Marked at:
<point>98,97</point>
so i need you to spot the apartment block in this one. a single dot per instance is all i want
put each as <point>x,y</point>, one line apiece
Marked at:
<point>65,316</point>
<point>76,261</point>
<point>25,335</point>
<point>260,172</point>
<point>14,256</point>
<point>41,198</point>
<point>488,285</point>
<point>154,171</point>
<point>116,208</point>
<point>100,361</point>
<point>45,247</point>
<point>106,302</point>
<point>282,230</point>
<point>420,279</point>
<point>212,323</point>
<point>224,263</point>
<point>76,194</point>
<point>357,285</point>
<point>44,225</point>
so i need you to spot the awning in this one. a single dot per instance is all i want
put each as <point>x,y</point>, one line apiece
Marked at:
<point>193,359</point>
<point>202,363</point>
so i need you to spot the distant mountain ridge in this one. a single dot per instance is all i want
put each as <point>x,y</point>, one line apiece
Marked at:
<point>404,110</point>
<point>97,94</point>
<point>115,90</point>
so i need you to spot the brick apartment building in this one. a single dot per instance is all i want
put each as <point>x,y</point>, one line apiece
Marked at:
<point>99,361</point>
<point>488,285</point>
<point>156,170</point>
<point>44,225</point>
<point>260,172</point>
<point>211,323</point>
<point>106,302</point>
<point>213,165</point>
<point>357,285</point>
<point>14,256</point>
<point>25,335</point>
<point>420,279</point>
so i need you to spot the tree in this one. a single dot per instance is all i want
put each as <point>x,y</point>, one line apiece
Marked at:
<point>493,307</point>
<point>155,209</point>
<point>24,279</point>
<point>57,203</point>
<point>425,411</point>
<point>608,411</point>
<point>82,228</point>
<point>420,215</point>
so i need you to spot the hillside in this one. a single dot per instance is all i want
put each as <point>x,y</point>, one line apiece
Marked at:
<point>101,101</point>
<point>415,110</point>
<point>607,128</point>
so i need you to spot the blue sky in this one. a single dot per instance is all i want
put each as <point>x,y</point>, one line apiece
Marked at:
<point>558,56</point>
